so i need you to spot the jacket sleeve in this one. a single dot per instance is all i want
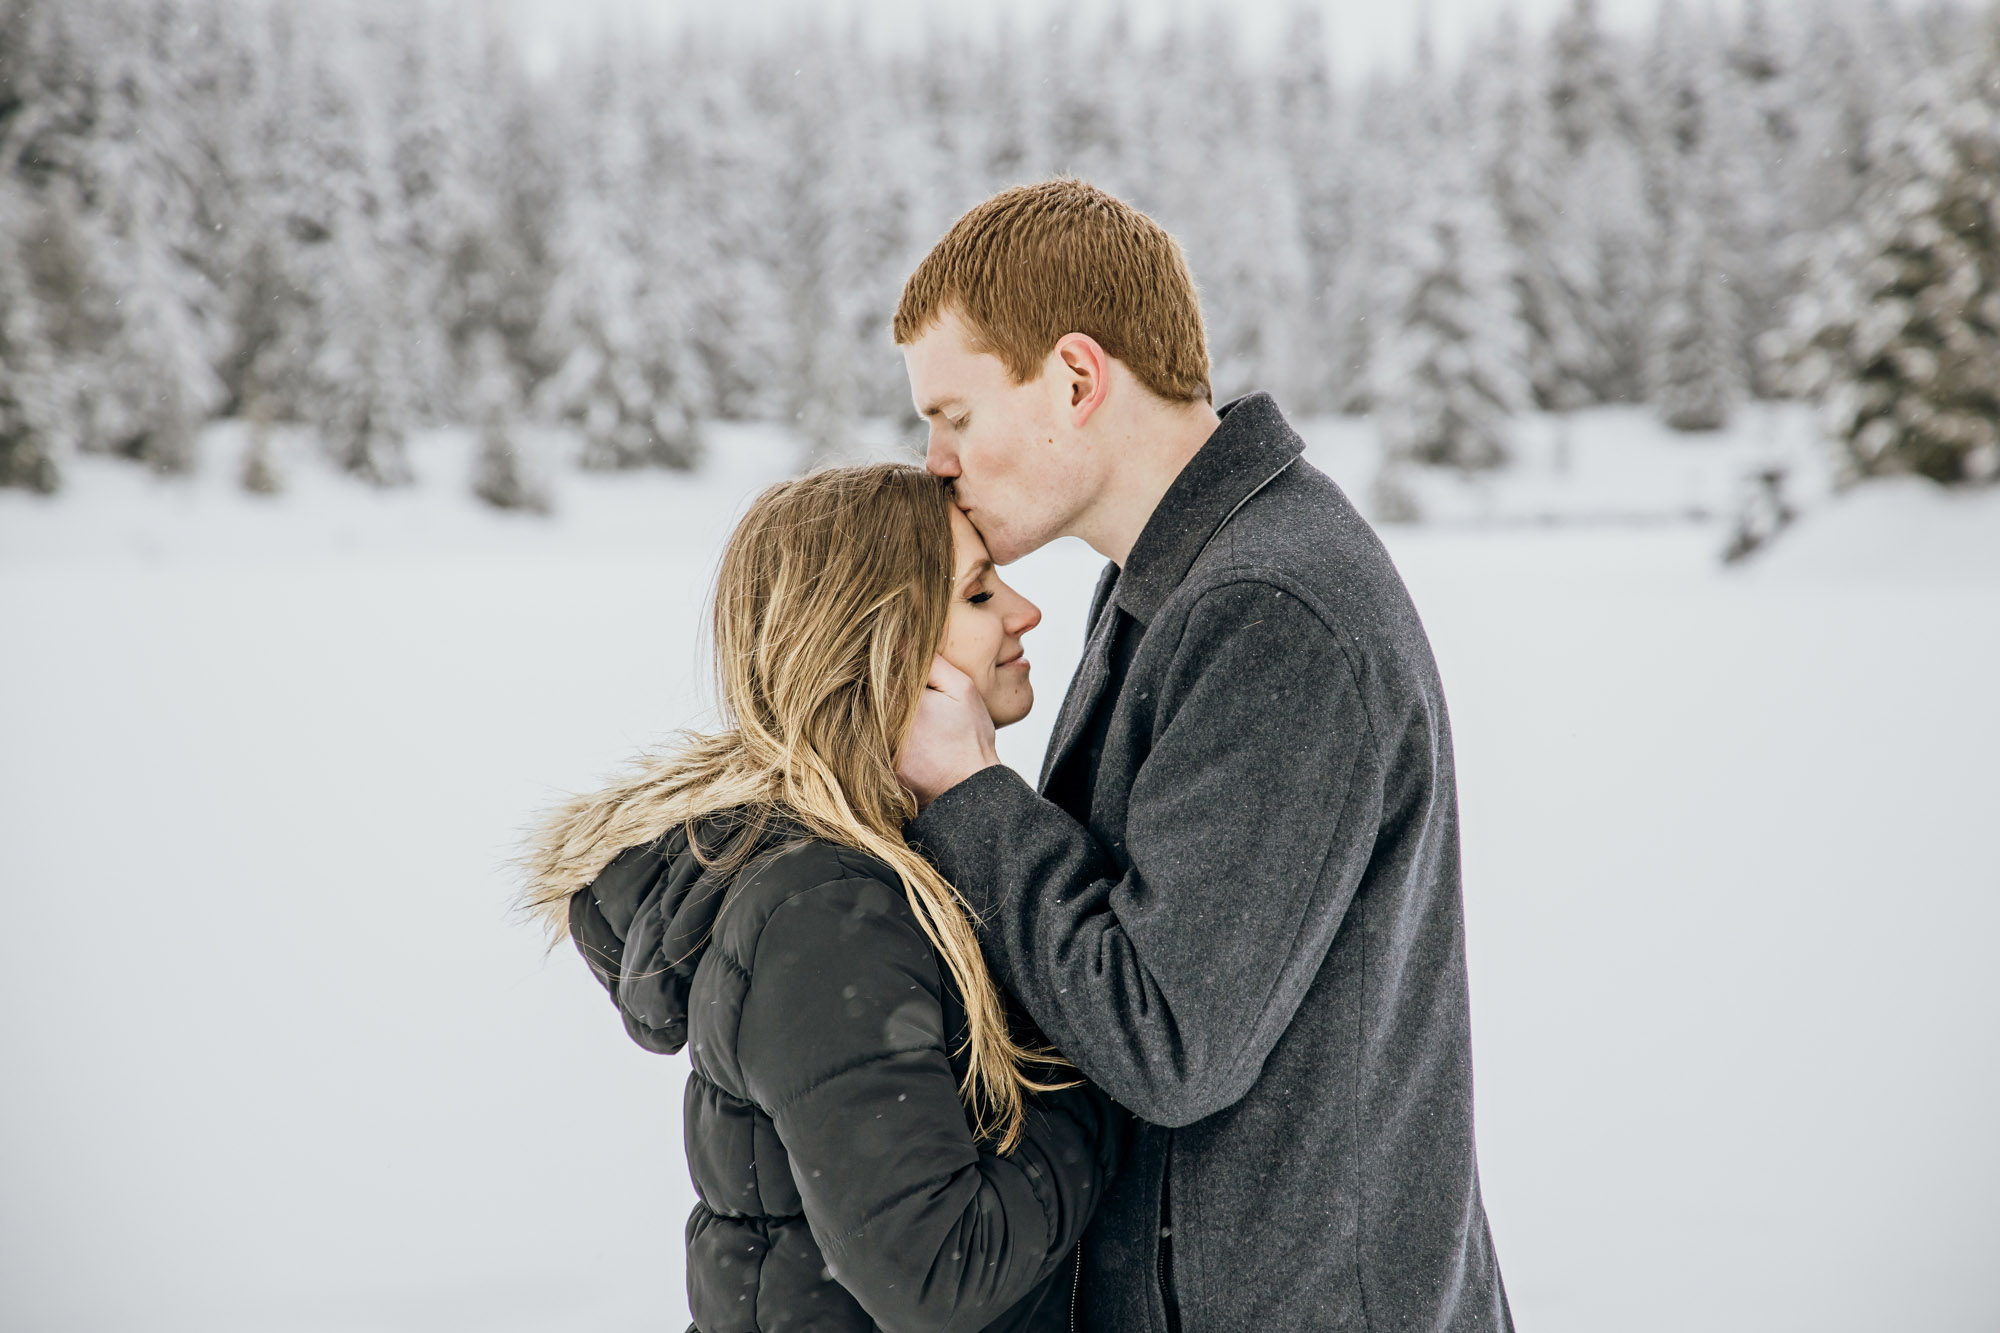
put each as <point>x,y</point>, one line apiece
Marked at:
<point>1251,821</point>
<point>842,1042</point>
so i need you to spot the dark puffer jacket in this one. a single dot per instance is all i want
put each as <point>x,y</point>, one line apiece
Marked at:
<point>840,1186</point>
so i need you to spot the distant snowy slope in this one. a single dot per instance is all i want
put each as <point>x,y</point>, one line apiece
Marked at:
<point>1595,466</point>
<point>1599,466</point>
<point>278,1059</point>
<point>112,511</point>
<point>1897,529</point>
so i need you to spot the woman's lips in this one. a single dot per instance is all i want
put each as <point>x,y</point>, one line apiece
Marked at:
<point>1017,660</point>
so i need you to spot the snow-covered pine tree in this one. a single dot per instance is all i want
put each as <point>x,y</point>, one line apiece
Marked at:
<point>884,153</point>
<point>1311,129</point>
<point>1239,215</point>
<point>30,429</point>
<point>1585,89</point>
<point>38,259</point>
<point>1696,348</point>
<point>1599,184</point>
<point>1837,95</point>
<point>477,185</point>
<point>154,180</point>
<point>673,239</point>
<point>105,184</point>
<point>1755,167</point>
<point>1550,253</point>
<point>733,209</point>
<point>438,116</point>
<point>1695,368</point>
<point>264,246</point>
<point>1450,357</point>
<point>945,143</point>
<point>1904,346</point>
<point>622,371</point>
<point>838,220</point>
<point>1001,129</point>
<point>338,346</point>
<point>1377,141</point>
<point>1120,123</point>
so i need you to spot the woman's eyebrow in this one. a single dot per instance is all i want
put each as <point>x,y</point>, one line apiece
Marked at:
<point>979,567</point>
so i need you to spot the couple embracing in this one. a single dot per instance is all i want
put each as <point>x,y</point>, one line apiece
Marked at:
<point>1177,1042</point>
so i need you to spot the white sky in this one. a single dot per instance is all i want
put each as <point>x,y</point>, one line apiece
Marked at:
<point>1364,35</point>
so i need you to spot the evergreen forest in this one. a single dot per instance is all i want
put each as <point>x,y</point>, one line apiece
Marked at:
<point>366,220</point>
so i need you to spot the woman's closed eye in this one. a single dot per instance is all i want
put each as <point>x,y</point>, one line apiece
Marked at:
<point>980,597</point>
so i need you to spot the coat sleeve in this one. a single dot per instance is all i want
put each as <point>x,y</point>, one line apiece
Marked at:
<point>842,1042</point>
<point>1251,821</point>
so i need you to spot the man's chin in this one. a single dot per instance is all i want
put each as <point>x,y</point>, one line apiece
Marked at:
<point>1003,549</point>
<point>1001,546</point>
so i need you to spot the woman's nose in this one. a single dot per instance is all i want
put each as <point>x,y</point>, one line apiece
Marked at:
<point>1023,616</point>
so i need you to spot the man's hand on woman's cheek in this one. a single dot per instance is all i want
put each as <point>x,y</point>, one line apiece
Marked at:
<point>951,738</point>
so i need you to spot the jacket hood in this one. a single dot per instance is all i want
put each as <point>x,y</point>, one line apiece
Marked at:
<point>643,925</point>
<point>640,903</point>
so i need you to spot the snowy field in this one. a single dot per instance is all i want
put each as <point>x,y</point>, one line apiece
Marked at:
<point>278,1060</point>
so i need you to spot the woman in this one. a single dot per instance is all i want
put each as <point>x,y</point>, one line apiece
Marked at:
<point>870,1142</point>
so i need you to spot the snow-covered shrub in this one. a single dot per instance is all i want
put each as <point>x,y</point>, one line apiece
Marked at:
<point>504,475</point>
<point>259,472</point>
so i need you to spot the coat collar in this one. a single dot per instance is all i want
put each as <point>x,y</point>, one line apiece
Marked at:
<point>1247,451</point>
<point>1093,672</point>
<point>1249,448</point>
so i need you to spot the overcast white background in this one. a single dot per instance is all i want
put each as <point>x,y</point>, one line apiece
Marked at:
<point>1361,37</point>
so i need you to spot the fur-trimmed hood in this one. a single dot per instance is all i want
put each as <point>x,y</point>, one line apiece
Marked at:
<point>613,868</point>
<point>643,925</point>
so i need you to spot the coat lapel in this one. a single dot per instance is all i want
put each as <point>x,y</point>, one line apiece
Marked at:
<point>1088,682</point>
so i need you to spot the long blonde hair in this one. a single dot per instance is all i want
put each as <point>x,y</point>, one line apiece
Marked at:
<point>830,602</point>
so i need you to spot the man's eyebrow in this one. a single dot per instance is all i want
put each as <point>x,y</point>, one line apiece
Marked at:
<point>933,408</point>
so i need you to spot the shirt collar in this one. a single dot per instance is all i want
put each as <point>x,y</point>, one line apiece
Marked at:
<point>1252,444</point>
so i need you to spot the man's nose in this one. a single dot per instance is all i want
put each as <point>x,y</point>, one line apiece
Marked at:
<point>940,460</point>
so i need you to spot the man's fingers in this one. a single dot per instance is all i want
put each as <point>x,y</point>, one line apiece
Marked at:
<point>948,679</point>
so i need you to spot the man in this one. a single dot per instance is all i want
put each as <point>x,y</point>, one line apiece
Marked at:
<point>1234,902</point>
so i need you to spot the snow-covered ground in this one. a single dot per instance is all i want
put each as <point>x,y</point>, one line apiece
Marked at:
<point>277,1058</point>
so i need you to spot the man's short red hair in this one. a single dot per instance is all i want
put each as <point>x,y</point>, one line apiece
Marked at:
<point>1037,262</point>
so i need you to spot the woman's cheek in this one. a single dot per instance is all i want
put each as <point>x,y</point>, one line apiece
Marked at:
<point>953,651</point>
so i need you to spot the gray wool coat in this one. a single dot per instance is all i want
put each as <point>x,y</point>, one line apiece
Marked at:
<point>1248,929</point>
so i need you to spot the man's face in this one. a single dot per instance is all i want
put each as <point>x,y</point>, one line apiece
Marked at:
<point>1017,469</point>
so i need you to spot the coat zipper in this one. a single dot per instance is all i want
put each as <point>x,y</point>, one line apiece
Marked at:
<point>1167,1302</point>
<point>1075,1283</point>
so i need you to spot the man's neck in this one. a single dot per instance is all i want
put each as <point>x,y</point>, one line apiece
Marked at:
<point>1149,452</point>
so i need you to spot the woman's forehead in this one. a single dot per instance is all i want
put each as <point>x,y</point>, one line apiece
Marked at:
<point>968,548</point>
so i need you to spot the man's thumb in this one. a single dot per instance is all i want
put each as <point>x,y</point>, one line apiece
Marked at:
<point>948,680</point>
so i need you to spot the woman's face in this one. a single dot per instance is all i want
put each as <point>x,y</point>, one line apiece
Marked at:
<point>982,637</point>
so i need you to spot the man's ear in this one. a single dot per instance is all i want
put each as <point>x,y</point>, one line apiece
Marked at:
<point>1085,368</point>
